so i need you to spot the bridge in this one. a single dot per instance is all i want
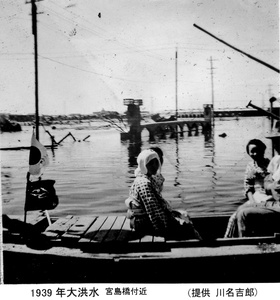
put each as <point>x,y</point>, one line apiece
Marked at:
<point>174,126</point>
<point>178,126</point>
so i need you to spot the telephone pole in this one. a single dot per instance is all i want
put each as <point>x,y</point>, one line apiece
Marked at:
<point>176,84</point>
<point>212,80</point>
<point>34,32</point>
<point>212,85</point>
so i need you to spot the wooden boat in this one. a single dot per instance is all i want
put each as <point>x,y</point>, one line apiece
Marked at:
<point>103,249</point>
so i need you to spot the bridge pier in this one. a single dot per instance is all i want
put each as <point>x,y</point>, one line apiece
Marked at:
<point>133,116</point>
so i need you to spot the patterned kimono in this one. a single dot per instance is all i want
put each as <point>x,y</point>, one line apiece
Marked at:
<point>254,179</point>
<point>254,183</point>
<point>149,213</point>
<point>148,210</point>
<point>263,218</point>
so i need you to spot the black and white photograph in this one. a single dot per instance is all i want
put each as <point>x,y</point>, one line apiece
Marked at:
<point>140,148</point>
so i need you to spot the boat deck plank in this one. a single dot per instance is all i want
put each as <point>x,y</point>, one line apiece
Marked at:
<point>115,229</point>
<point>77,230</point>
<point>104,229</point>
<point>59,227</point>
<point>126,234</point>
<point>93,229</point>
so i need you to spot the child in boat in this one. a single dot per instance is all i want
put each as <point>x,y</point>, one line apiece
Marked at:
<point>149,212</point>
<point>255,173</point>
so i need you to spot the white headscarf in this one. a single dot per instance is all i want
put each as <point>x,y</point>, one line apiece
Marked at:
<point>143,159</point>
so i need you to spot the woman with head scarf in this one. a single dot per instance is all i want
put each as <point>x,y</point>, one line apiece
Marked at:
<point>149,213</point>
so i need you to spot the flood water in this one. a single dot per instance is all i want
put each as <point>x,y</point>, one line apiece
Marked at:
<point>204,173</point>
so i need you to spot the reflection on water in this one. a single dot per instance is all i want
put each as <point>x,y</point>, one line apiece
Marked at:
<point>204,172</point>
<point>134,148</point>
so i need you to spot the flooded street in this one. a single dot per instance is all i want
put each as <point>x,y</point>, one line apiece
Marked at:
<point>203,174</point>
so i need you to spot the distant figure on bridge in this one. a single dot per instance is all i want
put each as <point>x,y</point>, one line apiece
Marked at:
<point>255,173</point>
<point>149,213</point>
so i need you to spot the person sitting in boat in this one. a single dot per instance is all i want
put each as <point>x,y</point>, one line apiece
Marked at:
<point>148,211</point>
<point>256,171</point>
<point>158,178</point>
<point>264,218</point>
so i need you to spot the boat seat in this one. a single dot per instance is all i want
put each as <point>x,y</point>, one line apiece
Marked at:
<point>263,225</point>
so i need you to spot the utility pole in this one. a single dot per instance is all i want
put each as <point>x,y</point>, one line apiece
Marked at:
<point>212,80</point>
<point>212,84</point>
<point>34,32</point>
<point>176,84</point>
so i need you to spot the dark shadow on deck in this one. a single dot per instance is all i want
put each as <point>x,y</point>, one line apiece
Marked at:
<point>19,232</point>
<point>120,241</point>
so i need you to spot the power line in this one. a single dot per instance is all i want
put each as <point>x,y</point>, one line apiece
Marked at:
<point>135,48</point>
<point>92,72</point>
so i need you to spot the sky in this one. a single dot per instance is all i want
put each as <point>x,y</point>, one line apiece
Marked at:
<point>94,54</point>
